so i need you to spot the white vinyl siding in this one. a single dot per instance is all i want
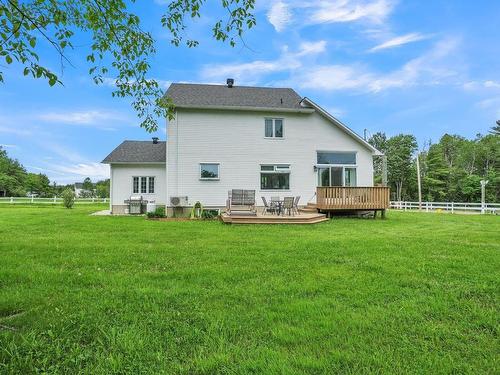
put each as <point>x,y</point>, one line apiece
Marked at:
<point>123,177</point>
<point>235,140</point>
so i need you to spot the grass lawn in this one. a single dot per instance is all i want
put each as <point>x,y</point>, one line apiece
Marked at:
<point>416,293</point>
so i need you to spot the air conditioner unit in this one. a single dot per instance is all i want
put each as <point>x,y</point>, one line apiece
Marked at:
<point>179,201</point>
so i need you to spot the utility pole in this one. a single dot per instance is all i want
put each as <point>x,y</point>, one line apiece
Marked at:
<point>419,186</point>
<point>483,195</point>
<point>384,170</point>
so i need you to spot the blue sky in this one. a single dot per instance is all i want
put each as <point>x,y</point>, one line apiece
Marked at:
<point>421,67</point>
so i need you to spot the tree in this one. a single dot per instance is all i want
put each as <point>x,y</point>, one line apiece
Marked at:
<point>102,188</point>
<point>495,130</point>
<point>87,184</point>
<point>379,141</point>
<point>38,184</point>
<point>118,46</point>
<point>400,150</point>
<point>12,175</point>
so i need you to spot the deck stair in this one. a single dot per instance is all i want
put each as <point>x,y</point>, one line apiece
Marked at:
<point>303,218</point>
<point>309,208</point>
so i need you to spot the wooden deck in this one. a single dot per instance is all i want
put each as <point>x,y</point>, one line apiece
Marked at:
<point>352,198</point>
<point>301,218</point>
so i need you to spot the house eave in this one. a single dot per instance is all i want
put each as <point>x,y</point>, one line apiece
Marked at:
<point>244,108</point>
<point>342,126</point>
<point>133,162</point>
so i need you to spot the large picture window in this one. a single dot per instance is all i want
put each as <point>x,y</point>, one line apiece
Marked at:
<point>336,168</point>
<point>143,185</point>
<point>275,177</point>
<point>336,158</point>
<point>209,171</point>
<point>273,128</point>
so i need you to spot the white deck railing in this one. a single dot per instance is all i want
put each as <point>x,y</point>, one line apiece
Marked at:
<point>452,207</point>
<point>54,200</point>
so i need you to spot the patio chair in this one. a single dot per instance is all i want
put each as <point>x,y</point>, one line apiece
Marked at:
<point>267,207</point>
<point>296,204</point>
<point>275,204</point>
<point>288,205</point>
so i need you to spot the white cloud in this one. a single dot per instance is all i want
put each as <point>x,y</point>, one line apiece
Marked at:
<point>89,117</point>
<point>477,85</point>
<point>399,41</point>
<point>311,48</point>
<point>70,173</point>
<point>349,11</point>
<point>82,170</point>
<point>251,72</point>
<point>296,13</point>
<point>436,66</point>
<point>111,82</point>
<point>431,68</point>
<point>3,145</point>
<point>279,15</point>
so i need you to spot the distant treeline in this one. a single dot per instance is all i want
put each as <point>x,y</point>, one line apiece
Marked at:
<point>450,170</point>
<point>15,181</point>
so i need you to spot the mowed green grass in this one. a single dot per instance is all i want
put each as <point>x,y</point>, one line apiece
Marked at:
<point>415,293</point>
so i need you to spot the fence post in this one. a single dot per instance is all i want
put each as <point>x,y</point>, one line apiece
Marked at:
<point>93,199</point>
<point>55,200</point>
<point>11,200</point>
<point>452,208</point>
<point>32,198</point>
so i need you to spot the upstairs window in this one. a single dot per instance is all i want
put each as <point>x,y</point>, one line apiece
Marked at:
<point>209,171</point>
<point>273,128</point>
<point>339,158</point>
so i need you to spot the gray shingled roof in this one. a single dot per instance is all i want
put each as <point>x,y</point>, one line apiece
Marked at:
<point>138,152</point>
<point>201,95</point>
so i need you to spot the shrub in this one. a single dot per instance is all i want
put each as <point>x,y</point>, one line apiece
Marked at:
<point>68,197</point>
<point>158,212</point>
<point>209,214</point>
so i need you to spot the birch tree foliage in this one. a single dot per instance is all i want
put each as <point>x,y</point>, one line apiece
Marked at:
<point>119,50</point>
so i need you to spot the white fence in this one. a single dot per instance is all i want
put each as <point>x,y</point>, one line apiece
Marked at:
<point>55,200</point>
<point>486,208</point>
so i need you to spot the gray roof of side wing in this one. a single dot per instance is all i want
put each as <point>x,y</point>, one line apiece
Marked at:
<point>202,95</point>
<point>138,152</point>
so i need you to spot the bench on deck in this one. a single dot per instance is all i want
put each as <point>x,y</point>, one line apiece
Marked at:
<point>241,201</point>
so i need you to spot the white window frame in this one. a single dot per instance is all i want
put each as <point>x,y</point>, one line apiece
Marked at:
<point>209,178</point>
<point>147,185</point>
<point>276,169</point>
<point>343,166</point>
<point>273,119</point>
<point>339,152</point>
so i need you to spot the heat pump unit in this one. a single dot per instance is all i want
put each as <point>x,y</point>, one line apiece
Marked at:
<point>179,201</point>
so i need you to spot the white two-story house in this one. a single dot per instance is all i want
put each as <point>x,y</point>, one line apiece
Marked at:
<point>225,137</point>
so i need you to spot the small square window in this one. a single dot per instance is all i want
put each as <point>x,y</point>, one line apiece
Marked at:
<point>209,171</point>
<point>273,128</point>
